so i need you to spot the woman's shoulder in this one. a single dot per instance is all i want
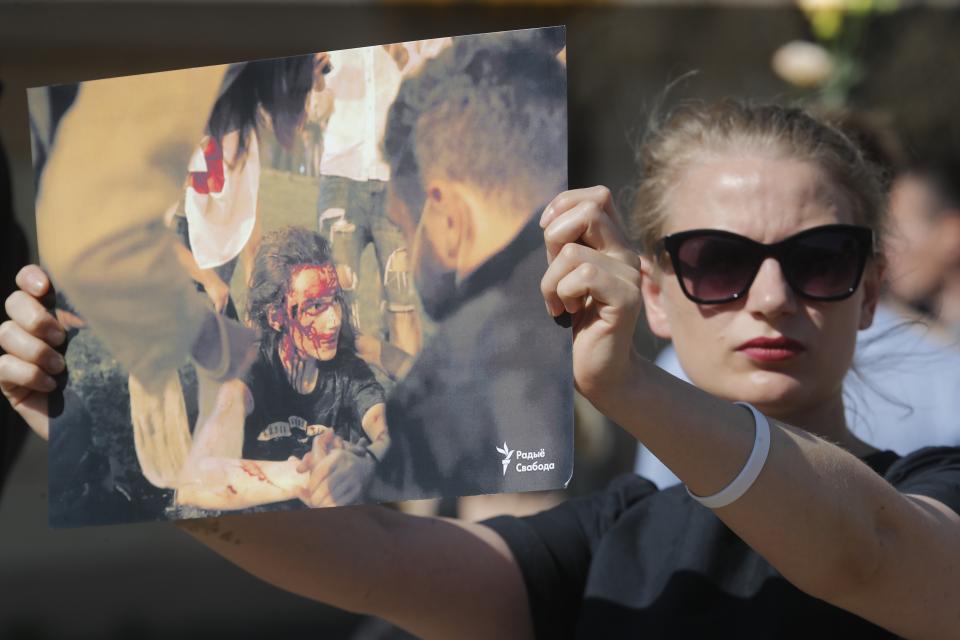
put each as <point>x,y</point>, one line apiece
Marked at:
<point>925,461</point>
<point>933,472</point>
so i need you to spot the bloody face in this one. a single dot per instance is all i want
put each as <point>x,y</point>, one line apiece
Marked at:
<point>313,312</point>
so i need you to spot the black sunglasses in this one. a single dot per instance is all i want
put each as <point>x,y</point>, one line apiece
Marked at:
<point>822,263</point>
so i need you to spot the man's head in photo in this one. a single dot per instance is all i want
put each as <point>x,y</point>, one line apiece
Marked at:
<point>925,212</point>
<point>476,141</point>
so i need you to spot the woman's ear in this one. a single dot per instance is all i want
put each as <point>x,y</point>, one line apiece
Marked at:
<point>872,285</point>
<point>652,290</point>
<point>275,317</point>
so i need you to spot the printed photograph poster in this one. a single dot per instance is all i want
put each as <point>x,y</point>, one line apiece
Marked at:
<point>306,282</point>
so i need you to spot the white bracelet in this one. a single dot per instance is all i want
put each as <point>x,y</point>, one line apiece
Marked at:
<point>748,475</point>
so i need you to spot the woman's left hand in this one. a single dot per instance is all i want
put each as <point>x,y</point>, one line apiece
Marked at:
<point>594,275</point>
<point>28,343</point>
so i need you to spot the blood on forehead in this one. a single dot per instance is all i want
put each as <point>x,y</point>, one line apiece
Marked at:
<point>312,281</point>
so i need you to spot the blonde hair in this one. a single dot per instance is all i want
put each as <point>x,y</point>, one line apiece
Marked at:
<point>692,130</point>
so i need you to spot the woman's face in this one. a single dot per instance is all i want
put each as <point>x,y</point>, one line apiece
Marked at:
<point>314,312</point>
<point>766,199</point>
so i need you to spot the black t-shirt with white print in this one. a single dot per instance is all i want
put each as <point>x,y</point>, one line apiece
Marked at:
<point>284,421</point>
<point>632,562</point>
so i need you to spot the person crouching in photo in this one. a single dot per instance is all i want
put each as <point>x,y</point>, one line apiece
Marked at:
<point>308,399</point>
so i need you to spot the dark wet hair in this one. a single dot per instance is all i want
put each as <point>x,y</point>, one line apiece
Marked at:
<point>279,85</point>
<point>280,252</point>
<point>488,110</point>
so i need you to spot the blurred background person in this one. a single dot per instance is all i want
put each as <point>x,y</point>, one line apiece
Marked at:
<point>924,270</point>
<point>351,205</point>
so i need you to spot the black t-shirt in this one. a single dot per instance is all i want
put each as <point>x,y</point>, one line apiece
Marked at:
<point>283,421</point>
<point>632,561</point>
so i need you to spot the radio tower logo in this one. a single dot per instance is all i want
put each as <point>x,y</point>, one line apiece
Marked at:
<point>507,455</point>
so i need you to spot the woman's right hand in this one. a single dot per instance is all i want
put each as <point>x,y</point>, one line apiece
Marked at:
<point>595,276</point>
<point>28,341</point>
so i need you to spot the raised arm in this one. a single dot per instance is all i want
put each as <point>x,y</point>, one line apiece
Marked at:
<point>423,574</point>
<point>819,515</point>
<point>436,578</point>
<point>825,520</point>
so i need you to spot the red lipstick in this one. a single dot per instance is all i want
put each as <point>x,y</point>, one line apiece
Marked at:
<point>771,349</point>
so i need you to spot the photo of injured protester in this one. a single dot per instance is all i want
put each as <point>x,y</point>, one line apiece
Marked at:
<point>302,282</point>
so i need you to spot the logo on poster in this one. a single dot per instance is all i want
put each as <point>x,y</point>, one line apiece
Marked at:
<point>507,454</point>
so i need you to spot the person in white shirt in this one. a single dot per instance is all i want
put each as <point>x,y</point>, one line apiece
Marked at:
<point>351,206</point>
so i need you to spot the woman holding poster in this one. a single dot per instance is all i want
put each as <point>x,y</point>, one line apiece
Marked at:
<point>763,232</point>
